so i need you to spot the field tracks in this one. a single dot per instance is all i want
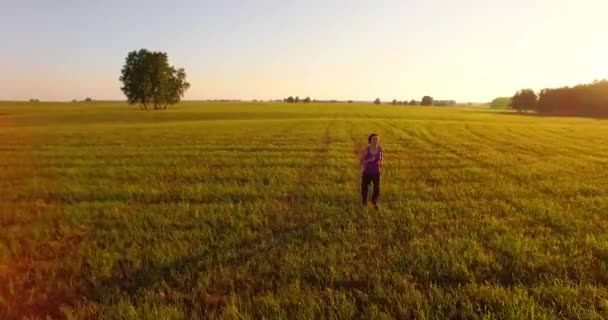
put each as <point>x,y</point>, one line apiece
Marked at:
<point>289,219</point>
<point>464,151</point>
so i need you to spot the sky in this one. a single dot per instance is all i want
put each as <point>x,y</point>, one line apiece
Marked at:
<point>465,50</point>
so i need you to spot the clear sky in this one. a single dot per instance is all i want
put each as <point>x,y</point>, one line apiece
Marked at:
<point>467,50</point>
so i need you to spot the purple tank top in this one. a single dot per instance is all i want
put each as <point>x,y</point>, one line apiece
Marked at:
<point>372,167</point>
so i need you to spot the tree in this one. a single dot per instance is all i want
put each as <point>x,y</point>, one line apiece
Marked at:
<point>413,103</point>
<point>427,101</point>
<point>524,99</point>
<point>289,99</point>
<point>395,102</point>
<point>500,103</point>
<point>149,80</point>
<point>87,99</point>
<point>377,101</point>
<point>297,100</point>
<point>306,100</point>
<point>443,103</point>
<point>581,100</point>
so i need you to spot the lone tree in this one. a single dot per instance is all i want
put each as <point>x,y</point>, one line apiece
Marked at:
<point>426,101</point>
<point>306,100</point>
<point>524,99</point>
<point>395,102</point>
<point>297,100</point>
<point>377,101</point>
<point>289,99</point>
<point>413,103</point>
<point>149,80</point>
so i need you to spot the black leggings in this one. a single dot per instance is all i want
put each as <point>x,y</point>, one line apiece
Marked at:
<point>365,181</point>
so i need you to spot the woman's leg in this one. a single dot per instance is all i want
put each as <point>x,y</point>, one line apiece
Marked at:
<point>365,180</point>
<point>376,191</point>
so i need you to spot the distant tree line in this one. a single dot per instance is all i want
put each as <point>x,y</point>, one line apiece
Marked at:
<point>426,101</point>
<point>589,100</point>
<point>223,100</point>
<point>331,101</point>
<point>444,103</point>
<point>291,99</point>
<point>308,100</point>
<point>396,102</point>
<point>501,103</point>
<point>87,99</point>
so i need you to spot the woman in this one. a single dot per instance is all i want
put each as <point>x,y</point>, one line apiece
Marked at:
<point>371,160</point>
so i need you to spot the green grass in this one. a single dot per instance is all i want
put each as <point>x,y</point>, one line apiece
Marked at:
<point>249,211</point>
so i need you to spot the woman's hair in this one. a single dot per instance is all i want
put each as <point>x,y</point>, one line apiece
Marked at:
<point>371,136</point>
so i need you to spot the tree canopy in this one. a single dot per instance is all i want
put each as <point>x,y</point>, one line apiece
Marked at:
<point>501,103</point>
<point>581,100</point>
<point>524,99</point>
<point>427,101</point>
<point>149,80</point>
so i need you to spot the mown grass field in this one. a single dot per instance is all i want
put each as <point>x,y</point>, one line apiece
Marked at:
<point>250,211</point>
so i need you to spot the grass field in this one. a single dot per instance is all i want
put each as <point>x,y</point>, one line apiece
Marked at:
<point>250,211</point>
